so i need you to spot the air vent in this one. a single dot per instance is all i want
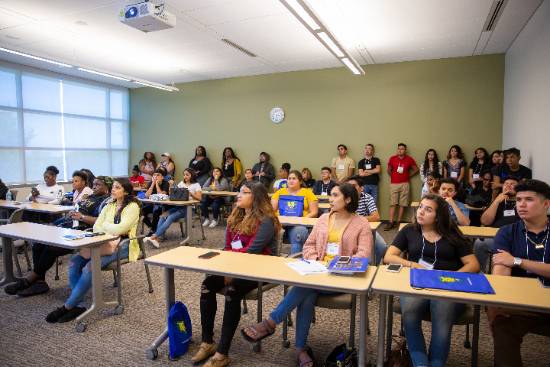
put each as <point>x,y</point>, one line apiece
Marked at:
<point>494,15</point>
<point>238,47</point>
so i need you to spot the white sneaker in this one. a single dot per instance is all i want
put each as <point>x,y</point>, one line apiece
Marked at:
<point>206,222</point>
<point>213,224</point>
<point>152,242</point>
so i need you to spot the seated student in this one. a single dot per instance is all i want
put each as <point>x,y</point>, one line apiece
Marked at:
<point>433,242</point>
<point>201,164</point>
<point>325,184</point>
<point>497,158</point>
<point>480,197</point>
<point>167,163</point>
<point>80,188</point>
<point>297,235</point>
<point>309,182</point>
<point>90,175</point>
<point>432,184</point>
<point>216,182</point>
<point>340,232</point>
<point>283,176</point>
<point>479,164</point>
<point>158,186</point>
<point>511,168</point>
<point>147,166</point>
<point>136,179</point>
<point>459,213</point>
<point>177,212</point>
<point>119,218</point>
<point>521,250</point>
<point>51,192</point>
<point>431,167</point>
<point>44,256</point>
<point>248,177</point>
<point>453,167</point>
<point>232,167</point>
<point>252,228</point>
<point>3,190</point>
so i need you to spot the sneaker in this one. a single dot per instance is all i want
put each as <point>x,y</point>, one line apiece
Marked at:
<point>16,286</point>
<point>54,316</point>
<point>36,288</point>
<point>152,242</point>
<point>205,350</point>
<point>206,222</point>
<point>72,314</point>
<point>213,224</point>
<point>217,362</point>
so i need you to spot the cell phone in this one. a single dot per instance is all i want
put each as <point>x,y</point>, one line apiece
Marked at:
<point>394,268</point>
<point>93,234</point>
<point>209,255</point>
<point>344,259</point>
<point>34,190</point>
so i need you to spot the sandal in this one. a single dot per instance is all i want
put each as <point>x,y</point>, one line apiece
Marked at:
<point>306,362</point>
<point>258,332</point>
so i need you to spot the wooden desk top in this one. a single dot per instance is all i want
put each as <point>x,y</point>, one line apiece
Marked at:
<point>471,231</point>
<point>36,207</point>
<point>513,292</point>
<point>415,204</point>
<point>322,197</point>
<point>324,206</point>
<point>310,222</point>
<point>51,235</point>
<point>170,202</point>
<point>270,269</point>
<point>220,193</point>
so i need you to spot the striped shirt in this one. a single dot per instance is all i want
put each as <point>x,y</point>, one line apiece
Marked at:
<point>367,205</point>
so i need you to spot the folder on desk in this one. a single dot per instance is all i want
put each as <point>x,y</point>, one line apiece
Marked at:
<point>355,265</point>
<point>451,281</point>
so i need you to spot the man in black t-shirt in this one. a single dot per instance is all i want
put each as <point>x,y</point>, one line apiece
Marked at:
<point>369,170</point>
<point>511,167</point>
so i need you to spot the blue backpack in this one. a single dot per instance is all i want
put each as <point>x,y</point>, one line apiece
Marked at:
<point>179,330</point>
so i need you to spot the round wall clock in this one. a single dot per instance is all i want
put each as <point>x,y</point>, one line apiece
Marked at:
<point>277,115</point>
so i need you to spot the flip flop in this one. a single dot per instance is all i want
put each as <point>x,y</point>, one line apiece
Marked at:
<point>311,360</point>
<point>267,327</point>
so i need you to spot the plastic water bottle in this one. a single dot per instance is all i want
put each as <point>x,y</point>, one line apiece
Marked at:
<point>9,196</point>
<point>76,209</point>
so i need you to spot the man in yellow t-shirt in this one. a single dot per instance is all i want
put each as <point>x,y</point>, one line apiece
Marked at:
<point>342,166</point>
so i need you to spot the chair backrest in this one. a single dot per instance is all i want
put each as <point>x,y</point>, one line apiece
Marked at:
<point>16,216</point>
<point>14,194</point>
<point>279,246</point>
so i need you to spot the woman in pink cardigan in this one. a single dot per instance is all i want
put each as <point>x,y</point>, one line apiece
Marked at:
<point>340,232</point>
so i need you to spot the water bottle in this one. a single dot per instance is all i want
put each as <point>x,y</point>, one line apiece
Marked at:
<point>76,209</point>
<point>9,196</point>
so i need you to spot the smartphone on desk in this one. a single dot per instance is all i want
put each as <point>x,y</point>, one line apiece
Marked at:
<point>342,260</point>
<point>394,268</point>
<point>93,234</point>
<point>209,255</point>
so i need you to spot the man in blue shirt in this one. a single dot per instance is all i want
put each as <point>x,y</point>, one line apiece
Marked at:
<point>521,249</point>
<point>458,211</point>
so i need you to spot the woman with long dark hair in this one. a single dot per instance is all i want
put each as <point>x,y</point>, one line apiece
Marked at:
<point>147,165</point>
<point>216,182</point>
<point>479,164</point>
<point>431,166</point>
<point>453,167</point>
<point>201,164</point>
<point>232,167</point>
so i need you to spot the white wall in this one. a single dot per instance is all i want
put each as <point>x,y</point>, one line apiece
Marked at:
<point>527,94</point>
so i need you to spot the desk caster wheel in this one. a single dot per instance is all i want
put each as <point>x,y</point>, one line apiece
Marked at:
<point>467,344</point>
<point>119,310</point>
<point>152,354</point>
<point>286,344</point>
<point>257,347</point>
<point>81,327</point>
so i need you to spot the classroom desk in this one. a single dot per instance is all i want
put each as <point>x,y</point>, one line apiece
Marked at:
<point>510,292</point>
<point>221,193</point>
<point>53,236</point>
<point>322,197</point>
<point>310,222</point>
<point>471,231</point>
<point>261,268</point>
<point>324,206</point>
<point>36,207</point>
<point>188,217</point>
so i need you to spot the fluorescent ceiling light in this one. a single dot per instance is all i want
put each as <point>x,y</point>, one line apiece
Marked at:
<point>330,43</point>
<point>35,57</point>
<point>157,86</point>
<point>103,74</point>
<point>350,66</point>
<point>302,13</point>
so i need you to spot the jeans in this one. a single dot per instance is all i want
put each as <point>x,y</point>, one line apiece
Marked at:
<point>483,251</point>
<point>380,247</point>
<point>156,210</point>
<point>43,258</point>
<point>174,214</point>
<point>372,190</point>
<point>297,235</point>
<point>443,314</point>
<point>304,300</point>
<point>80,275</point>
<point>216,203</point>
<point>234,293</point>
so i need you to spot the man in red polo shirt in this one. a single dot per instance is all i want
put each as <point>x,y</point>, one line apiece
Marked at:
<point>400,168</point>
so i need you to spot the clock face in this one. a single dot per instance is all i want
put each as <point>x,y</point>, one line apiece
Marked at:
<point>277,115</point>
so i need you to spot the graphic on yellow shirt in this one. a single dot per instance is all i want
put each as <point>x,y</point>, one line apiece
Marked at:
<point>181,326</point>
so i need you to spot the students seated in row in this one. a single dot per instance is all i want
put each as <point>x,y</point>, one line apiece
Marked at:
<point>479,164</point>
<point>158,186</point>
<point>168,164</point>
<point>369,169</point>
<point>263,171</point>
<point>433,242</point>
<point>248,177</point>
<point>49,192</point>
<point>521,250</point>
<point>431,167</point>
<point>172,214</point>
<point>80,188</point>
<point>136,179</point>
<point>325,184</point>
<point>118,218</point>
<point>511,167</point>
<point>459,213</point>
<point>147,166</point>
<point>44,256</point>
<point>432,184</point>
<point>454,166</point>
<point>342,166</point>
<point>252,228</point>
<point>283,176</point>
<point>232,167</point>
<point>295,200</point>
<point>216,182</point>
<point>340,232</point>
<point>309,182</point>
<point>201,165</point>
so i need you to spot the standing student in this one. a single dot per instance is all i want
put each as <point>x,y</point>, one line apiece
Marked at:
<point>369,169</point>
<point>325,184</point>
<point>433,242</point>
<point>49,192</point>
<point>342,166</point>
<point>216,182</point>
<point>263,171</point>
<point>458,211</point>
<point>283,176</point>
<point>431,165</point>
<point>296,196</point>
<point>147,165</point>
<point>511,168</point>
<point>168,164</point>
<point>158,186</point>
<point>521,249</point>
<point>252,228</point>
<point>201,164</point>
<point>479,164</point>
<point>309,182</point>
<point>400,168</point>
<point>232,167</point>
<point>453,167</point>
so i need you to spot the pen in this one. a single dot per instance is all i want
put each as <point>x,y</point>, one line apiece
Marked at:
<point>304,260</point>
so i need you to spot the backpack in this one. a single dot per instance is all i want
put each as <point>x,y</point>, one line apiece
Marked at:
<point>342,356</point>
<point>179,330</point>
<point>291,205</point>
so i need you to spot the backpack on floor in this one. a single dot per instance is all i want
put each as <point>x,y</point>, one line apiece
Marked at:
<point>179,330</point>
<point>342,356</point>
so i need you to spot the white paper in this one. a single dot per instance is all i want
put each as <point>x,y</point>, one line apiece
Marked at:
<point>305,268</point>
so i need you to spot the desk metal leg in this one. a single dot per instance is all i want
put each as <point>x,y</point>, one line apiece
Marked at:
<point>7,251</point>
<point>381,330</point>
<point>170,294</point>
<point>363,320</point>
<point>188,226</point>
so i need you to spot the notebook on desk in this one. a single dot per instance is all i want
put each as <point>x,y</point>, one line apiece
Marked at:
<point>451,281</point>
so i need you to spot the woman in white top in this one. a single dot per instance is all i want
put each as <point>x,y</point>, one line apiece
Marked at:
<point>175,213</point>
<point>48,192</point>
<point>80,188</point>
<point>167,163</point>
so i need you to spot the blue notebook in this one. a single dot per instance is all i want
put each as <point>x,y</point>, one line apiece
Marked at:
<point>451,281</point>
<point>355,265</point>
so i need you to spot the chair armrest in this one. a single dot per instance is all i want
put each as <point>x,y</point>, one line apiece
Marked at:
<point>127,241</point>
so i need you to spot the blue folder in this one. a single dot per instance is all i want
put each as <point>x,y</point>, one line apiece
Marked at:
<point>356,265</point>
<point>451,281</point>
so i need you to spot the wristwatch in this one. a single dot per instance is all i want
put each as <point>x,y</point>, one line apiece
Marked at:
<point>517,261</point>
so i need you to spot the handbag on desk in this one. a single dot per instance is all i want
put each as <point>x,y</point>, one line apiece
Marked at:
<point>179,194</point>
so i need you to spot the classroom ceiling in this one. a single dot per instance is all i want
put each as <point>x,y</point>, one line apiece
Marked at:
<point>87,33</point>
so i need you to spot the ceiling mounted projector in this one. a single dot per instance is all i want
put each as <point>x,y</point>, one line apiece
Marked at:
<point>147,17</point>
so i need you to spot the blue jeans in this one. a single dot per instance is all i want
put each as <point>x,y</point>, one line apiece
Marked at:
<point>297,235</point>
<point>443,314</point>
<point>380,247</point>
<point>216,203</point>
<point>483,251</point>
<point>80,275</point>
<point>174,214</point>
<point>304,300</point>
<point>372,190</point>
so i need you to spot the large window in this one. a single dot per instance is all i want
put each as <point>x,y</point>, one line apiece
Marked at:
<point>52,120</point>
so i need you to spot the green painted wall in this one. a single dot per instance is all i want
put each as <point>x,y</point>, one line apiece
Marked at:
<point>425,104</point>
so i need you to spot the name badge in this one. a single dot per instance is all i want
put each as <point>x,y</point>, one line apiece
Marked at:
<point>454,174</point>
<point>75,223</point>
<point>400,169</point>
<point>332,248</point>
<point>324,194</point>
<point>509,213</point>
<point>368,166</point>
<point>426,264</point>
<point>340,167</point>
<point>236,245</point>
<point>475,176</point>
